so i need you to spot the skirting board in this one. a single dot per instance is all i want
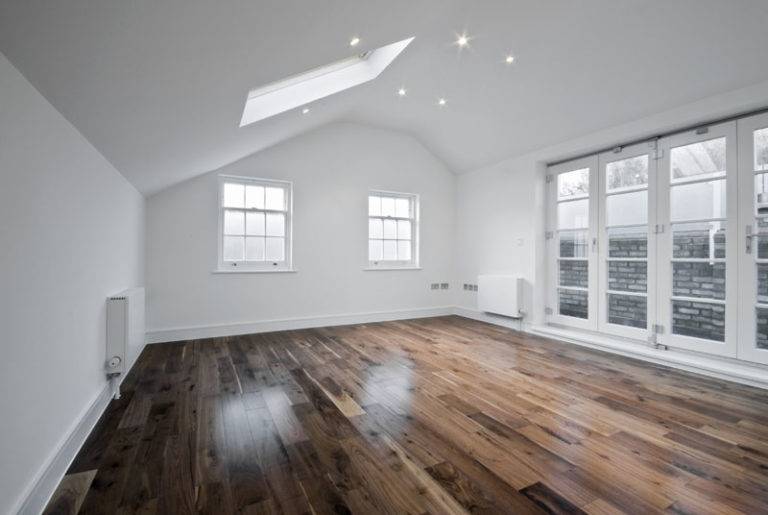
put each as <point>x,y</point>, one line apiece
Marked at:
<point>213,331</point>
<point>42,487</point>
<point>719,368</point>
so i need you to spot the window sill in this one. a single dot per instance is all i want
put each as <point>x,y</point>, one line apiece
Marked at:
<point>389,268</point>
<point>254,271</point>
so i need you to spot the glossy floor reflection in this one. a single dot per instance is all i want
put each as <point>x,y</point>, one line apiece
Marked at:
<point>441,415</point>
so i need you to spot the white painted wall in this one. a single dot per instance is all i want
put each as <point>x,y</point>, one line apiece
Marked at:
<point>71,233</point>
<point>500,209</point>
<point>332,170</point>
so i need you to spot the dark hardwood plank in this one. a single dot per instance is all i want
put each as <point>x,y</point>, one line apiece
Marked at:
<point>441,415</point>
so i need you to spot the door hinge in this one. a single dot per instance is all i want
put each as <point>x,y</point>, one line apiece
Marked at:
<point>658,229</point>
<point>548,311</point>
<point>549,235</point>
<point>658,329</point>
<point>549,178</point>
<point>658,153</point>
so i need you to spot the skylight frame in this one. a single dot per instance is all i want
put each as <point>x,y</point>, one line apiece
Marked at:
<point>303,88</point>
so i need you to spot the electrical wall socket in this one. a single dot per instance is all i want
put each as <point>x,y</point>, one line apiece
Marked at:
<point>434,286</point>
<point>443,286</point>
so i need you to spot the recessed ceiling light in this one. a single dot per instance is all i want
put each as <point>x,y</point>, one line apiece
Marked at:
<point>509,59</point>
<point>354,41</point>
<point>305,110</point>
<point>402,92</point>
<point>441,102</point>
<point>462,40</point>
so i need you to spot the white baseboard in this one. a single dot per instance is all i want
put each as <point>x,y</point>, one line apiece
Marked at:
<point>43,485</point>
<point>213,331</point>
<point>720,368</point>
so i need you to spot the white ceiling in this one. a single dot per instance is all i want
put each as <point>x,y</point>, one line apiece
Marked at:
<point>159,86</point>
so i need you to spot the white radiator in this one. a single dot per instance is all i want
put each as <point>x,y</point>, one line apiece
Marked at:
<point>125,334</point>
<point>500,294</point>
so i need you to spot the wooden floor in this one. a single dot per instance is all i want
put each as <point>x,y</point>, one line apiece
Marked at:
<point>441,415</point>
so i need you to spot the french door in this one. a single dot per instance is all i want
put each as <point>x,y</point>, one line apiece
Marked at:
<point>753,238</point>
<point>626,256</point>
<point>698,241</point>
<point>573,243</point>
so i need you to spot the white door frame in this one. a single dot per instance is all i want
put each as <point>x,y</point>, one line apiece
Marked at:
<point>747,246</point>
<point>605,158</point>
<point>664,244</point>
<point>553,246</point>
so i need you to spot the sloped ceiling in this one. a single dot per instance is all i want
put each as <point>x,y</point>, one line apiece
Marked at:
<point>159,86</point>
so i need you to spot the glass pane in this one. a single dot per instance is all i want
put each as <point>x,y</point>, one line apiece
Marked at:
<point>573,184</point>
<point>387,206</point>
<point>254,197</point>
<point>375,228</point>
<point>390,250</point>
<point>761,339</point>
<point>698,201</point>
<point>574,273</point>
<point>374,250</point>
<point>573,243</point>
<point>233,248</point>
<point>573,215</point>
<point>275,198</point>
<point>275,249</point>
<point>234,222</point>
<point>628,276</point>
<point>573,303</point>
<point>698,240</point>
<point>254,224</point>
<point>374,205</point>
<point>762,283</point>
<point>627,208</point>
<point>404,250</point>
<point>698,159</point>
<point>761,149</point>
<point>233,194</point>
<point>761,194</point>
<point>699,320</point>
<point>275,224</point>
<point>699,280</point>
<point>404,229</point>
<point>761,243</point>
<point>628,242</point>
<point>403,208</point>
<point>254,249</point>
<point>390,229</point>
<point>628,310</point>
<point>627,173</point>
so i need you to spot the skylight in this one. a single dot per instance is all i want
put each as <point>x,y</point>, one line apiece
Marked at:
<point>321,82</point>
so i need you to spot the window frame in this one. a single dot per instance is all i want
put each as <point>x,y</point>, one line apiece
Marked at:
<point>414,219</point>
<point>285,265</point>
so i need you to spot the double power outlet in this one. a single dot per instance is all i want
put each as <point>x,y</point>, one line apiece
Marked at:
<point>438,286</point>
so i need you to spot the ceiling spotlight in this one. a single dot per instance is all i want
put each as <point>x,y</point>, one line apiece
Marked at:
<point>441,102</point>
<point>401,92</point>
<point>354,41</point>
<point>305,110</point>
<point>509,59</point>
<point>462,40</point>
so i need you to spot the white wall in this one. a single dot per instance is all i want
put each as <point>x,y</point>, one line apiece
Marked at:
<point>332,170</point>
<point>500,209</point>
<point>71,233</point>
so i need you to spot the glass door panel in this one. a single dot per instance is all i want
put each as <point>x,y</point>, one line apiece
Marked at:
<point>753,246</point>
<point>627,177</point>
<point>572,221</point>
<point>697,267</point>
